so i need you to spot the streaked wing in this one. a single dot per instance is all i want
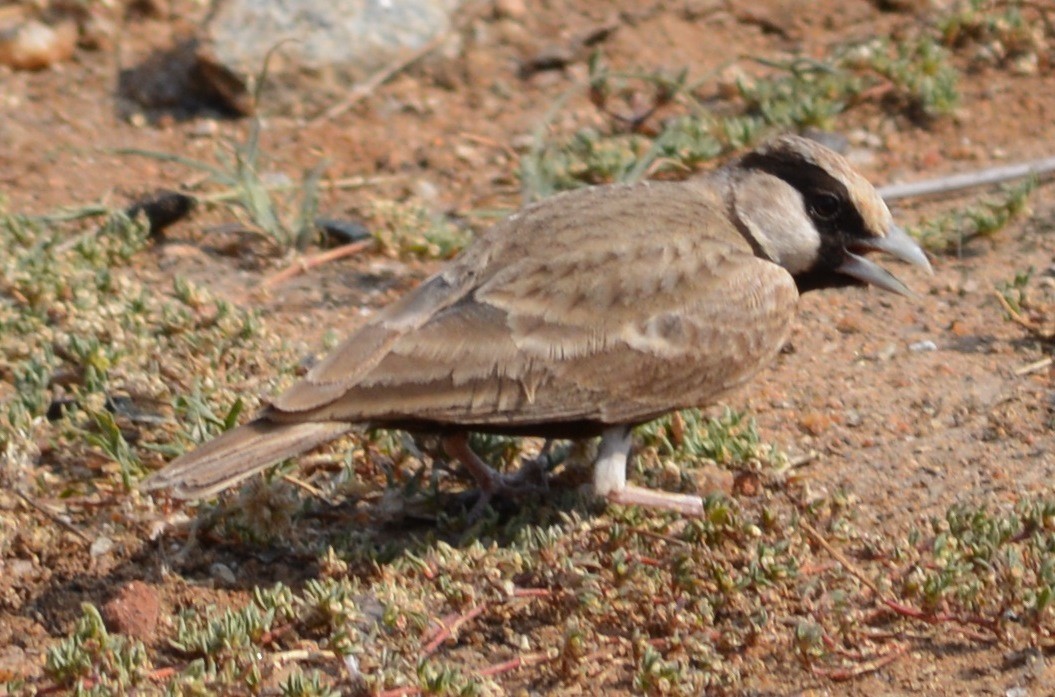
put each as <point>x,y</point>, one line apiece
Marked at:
<point>554,324</point>
<point>358,355</point>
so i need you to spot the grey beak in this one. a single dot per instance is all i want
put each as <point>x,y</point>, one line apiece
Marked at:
<point>897,244</point>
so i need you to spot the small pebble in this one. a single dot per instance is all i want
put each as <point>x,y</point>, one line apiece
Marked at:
<point>205,128</point>
<point>100,546</point>
<point>16,568</point>
<point>426,190</point>
<point>513,9</point>
<point>13,662</point>
<point>921,346</point>
<point>351,664</point>
<point>98,32</point>
<point>35,45</point>
<point>747,484</point>
<point>222,573</point>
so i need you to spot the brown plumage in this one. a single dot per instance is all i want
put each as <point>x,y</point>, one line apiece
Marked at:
<point>586,314</point>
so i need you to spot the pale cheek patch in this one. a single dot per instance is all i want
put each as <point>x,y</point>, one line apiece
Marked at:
<point>775,216</point>
<point>795,242</point>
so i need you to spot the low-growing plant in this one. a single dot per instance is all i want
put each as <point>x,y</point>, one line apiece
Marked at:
<point>951,231</point>
<point>91,660</point>
<point>915,76</point>
<point>1000,32</point>
<point>81,340</point>
<point>269,203</point>
<point>411,230</point>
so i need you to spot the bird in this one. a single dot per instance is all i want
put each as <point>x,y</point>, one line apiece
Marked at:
<point>583,315</point>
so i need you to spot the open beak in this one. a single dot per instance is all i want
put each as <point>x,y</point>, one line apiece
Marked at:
<point>897,244</point>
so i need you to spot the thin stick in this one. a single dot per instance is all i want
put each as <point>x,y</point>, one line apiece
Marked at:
<point>304,264</point>
<point>486,672</point>
<point>53,517</point>
<point>88,683</point>
<point>1014,314</point>
<point>956,182</point>
<point>895,606</point>
<point>802,460</point>
<point>661,537</point>
<point>872,666</point>
<point>1034,367</point>
<point>302,655</point>
<point>447,629</point>
<point>532,592</point>
<point>841,558</point>
<point>364,89</point>
<point>514,663</point>
<point>310,488</point>
<point>162,674</point>
<point>491,142</point>
<point>358,182</point>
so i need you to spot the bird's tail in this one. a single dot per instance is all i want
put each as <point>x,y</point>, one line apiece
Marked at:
<point>239,453</point>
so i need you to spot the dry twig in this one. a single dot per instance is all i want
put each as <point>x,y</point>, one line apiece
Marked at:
<point>956,182</point>
<point>893,605</point>
<point>844,674</point>
<point>447,628</point>
<point>54,517</point>
<point>304,264</point>
<point>367,87</point>
<point>1034,367</point>
<point>1041,332</point>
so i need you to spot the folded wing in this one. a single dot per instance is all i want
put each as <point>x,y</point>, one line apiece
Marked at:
<point>555,324</point>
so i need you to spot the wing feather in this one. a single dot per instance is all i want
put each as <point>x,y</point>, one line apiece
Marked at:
<point>547,320</point>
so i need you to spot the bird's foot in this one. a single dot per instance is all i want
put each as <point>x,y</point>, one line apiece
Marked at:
<point>529,480</point>
<point>630,495</point>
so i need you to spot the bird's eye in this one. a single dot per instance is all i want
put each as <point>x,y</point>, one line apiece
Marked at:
<point>825,205</point>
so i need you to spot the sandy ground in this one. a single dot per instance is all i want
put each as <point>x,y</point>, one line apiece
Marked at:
<point>910,405</point>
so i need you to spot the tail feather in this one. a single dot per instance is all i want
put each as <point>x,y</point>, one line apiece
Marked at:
<point>239,453</point>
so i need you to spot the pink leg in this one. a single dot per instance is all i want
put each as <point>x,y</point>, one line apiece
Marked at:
<point>609,477</point>
<point>490,482</point>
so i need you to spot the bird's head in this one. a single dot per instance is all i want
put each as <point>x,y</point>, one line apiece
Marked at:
<point>806,208</point>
